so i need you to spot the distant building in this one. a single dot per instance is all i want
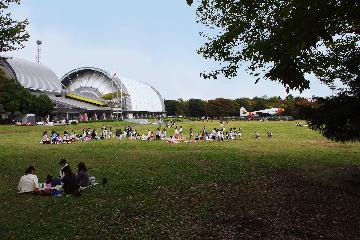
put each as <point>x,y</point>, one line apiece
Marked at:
<point>87,93</point>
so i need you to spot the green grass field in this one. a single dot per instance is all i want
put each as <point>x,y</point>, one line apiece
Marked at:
<point>297,185</point>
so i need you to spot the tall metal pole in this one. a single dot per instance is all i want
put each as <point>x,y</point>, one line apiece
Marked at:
<point>121,92</point>
<point>117,101</point>
<point>38,43</point>
<point>117,97</point>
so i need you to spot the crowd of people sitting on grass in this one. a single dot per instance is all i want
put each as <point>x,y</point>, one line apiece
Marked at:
<point>129,132</point>
<point>86,135</point>
<point>66,183</point>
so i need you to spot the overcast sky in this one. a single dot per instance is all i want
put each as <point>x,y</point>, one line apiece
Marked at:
<point>150,41</point>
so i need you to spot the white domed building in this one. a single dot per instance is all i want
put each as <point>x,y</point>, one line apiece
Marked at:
<point>35,77</point>
<point>131,98</point>
<point>87,93</point>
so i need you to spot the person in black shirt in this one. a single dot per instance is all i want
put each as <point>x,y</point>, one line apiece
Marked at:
<point>83,175</point>
<point>70,182</point>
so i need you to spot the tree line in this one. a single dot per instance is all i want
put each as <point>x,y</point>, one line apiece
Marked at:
<point>15,98</point>
<point>221,107</point>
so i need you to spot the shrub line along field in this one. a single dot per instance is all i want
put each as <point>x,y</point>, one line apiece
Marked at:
<point>297,185</point>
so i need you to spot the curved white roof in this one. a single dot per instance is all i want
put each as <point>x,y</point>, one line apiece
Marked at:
<point>89,78</point>
<point>34,76</point>
<point>143,96</point>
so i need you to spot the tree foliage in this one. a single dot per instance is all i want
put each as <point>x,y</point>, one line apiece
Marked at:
<point>16,98</point>
<point>197,107</point>
<point>287,41</point>
<point>12,33</point>
<point>294,106</point>
<point>337,118</point>
<point>220,107</point>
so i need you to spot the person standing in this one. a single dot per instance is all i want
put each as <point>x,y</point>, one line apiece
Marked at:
<point>120,135</point>
<point>176,134</point>
<point>157,134</point>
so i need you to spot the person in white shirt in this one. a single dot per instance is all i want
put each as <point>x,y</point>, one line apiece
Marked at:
<point>29,182</point>
<point>63,165</point>
<point>45,138</point>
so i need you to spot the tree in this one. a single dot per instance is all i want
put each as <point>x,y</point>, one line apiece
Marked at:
<point>286,41</point>
<point>220,107</point>
<point>196,107</point>
<point>328,117</point>
<point>42,105</point>
<point>16,98</point>
<point>182,107</point>
<point>13,96</point>
<point>12,33</point>
<point>259,103</point>
<point>170,107</point>
<point>242,102</point>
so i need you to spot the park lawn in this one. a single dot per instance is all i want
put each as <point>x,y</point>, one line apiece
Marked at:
<point>297,185</point>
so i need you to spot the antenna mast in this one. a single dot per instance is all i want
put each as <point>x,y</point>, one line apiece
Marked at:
<point>38,43</point>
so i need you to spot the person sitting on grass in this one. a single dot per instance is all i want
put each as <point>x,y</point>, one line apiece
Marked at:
<point>66,138</point>
<point>29,182</point>
<point>59,139</point>
<point>257,135</point>
<point>172,140</point>
<point>144,137</point>
<point>239,133</point>
<point>45,138</point>
<point>53,137</point>
<point>73,136</point>
<point>83,176</point>
<point>163,134</point>
<point>94,135</point>
<point>269,134</point>
<point>63,166</point>
<point>198,136</point>
<point>70,182</point>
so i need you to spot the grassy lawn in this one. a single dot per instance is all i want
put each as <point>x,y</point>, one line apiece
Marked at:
<point>297,185</point>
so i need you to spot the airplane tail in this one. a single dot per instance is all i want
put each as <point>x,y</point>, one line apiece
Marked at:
<point>243,112</point>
